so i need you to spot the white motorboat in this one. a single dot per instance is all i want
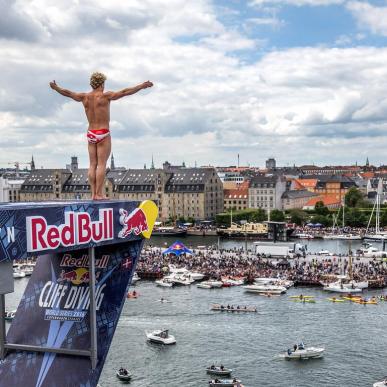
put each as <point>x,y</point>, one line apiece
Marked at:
<point>196,276</point>
<point>346,237</point>
<point>210,284</point>
<point>18,273</point>
<point>225,382</point>
<point>218,370</point>
<point>372,252</point>
<point>265,281</point>
<point>382,383</point>
<point>302,352</point>
<point>123,375</point>
<point>324,252</point>
<point>9,315</point>
<point>160,337</point>
<point>304,236</point>
<point>336,287</point>
<point>234,282</point>
<point>25,268</point>
<point>164,283</point>
<point>135,278</point>
<point>203,285</point>
<point>272,289</point>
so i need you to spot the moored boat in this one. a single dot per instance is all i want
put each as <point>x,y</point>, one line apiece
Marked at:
<point>273,289</point>
<point>164,283</point>
<point>382,383</point>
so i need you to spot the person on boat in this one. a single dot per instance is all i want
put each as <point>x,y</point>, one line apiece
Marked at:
<point>301,296</point>
<point>221,367</point>
<point>301,345</point>
<point>221,307</point>
<point>213,366</point>
<point>238,307</point>
<point>134,293</point>
<point>295,347</point>
<point>289,351</point>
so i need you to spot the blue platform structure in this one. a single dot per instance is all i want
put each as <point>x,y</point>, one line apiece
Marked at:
<point>86,256</point>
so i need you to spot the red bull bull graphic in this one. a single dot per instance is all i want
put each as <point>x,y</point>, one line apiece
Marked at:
<point>135,222</point>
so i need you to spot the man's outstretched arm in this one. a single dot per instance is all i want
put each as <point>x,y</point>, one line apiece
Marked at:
<point>113,95</point>
<point>67,93</point>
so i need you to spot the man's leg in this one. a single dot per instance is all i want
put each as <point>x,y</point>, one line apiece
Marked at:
<point>92,168</point>
<point>103,153</point>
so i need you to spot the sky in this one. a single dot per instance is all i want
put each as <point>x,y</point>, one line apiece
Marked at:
<point>303,81</point>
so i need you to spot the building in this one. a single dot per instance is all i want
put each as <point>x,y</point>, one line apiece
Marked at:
<point>266,192</point>
<point>10,189</point>
<point>270,163</point>
<point>180,192</point>
<point>236,199</point>
<point>296,199</point>
<point>330,201</point>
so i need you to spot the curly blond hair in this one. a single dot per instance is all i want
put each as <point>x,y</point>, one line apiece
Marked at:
<point>97,79</point>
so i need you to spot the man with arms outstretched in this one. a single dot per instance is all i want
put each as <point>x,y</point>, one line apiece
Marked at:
<point>97,109</point>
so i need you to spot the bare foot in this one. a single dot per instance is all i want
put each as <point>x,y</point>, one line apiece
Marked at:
<point>100,197</point>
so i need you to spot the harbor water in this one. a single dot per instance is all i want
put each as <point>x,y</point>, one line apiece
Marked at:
<point>249,343</point>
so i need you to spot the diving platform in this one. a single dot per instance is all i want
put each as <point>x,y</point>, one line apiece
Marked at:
<point>86,255</point>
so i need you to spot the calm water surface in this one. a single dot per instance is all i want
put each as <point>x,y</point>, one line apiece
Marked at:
<point>354,337</point>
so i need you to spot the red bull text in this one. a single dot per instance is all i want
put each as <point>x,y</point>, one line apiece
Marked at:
<point>78,229</point>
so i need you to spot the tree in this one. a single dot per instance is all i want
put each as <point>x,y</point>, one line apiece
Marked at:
<point>321,209</point>
<point>383,219</point>
<point>277,216</point>
<point>354,198</point>
<point>324,220</point>
<point>298,216</point>
<point>258,216</point>
<point>354,218</point>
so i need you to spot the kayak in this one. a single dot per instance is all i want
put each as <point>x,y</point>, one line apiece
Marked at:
<point>353,299</point>
<point>301,297</point>
<point>366,302</point>
<point>335,300</point>
<point>304,300</point>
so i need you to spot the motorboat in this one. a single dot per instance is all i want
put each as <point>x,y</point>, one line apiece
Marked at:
<point>18,273</point>
<point>135,278</point>
<point>232,308</point>
<point>25,268</point>
<point>272,289</point>
<point>273,281</point>
<point>304,236</point>
<point>382,383</point>
<point>301,352</point>
<point>164,283</point>
<point>123,375</point>
<point>160,337</point>
<point>346,237</point>
<point>210,284</point>
<point>371,252</point>
<point>324,252</point>
<point>9,315</point>
<point>337,287</point>
<point>196,276</point>
<point>225,383</point>
<point>233,282</point>
<point>218,370</point>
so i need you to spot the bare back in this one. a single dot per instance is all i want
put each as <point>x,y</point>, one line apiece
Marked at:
<point>97,109</point>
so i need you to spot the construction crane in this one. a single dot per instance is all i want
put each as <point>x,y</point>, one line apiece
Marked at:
<point>17,164</point>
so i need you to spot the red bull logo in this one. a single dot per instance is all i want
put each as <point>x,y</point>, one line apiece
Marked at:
<point>78,229</point>
<point>77,276</point>
<point>133,223</point>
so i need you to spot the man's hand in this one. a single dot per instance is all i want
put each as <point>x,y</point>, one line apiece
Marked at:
<point>147,84</point>
<point>53,85</point>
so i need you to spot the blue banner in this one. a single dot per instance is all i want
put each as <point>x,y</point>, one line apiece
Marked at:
<point>54,312</point>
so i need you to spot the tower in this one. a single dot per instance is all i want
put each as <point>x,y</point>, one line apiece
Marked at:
<point>112,166</point>
<point>74,163</point>
<point>32,163</point>
<point>152,164</point>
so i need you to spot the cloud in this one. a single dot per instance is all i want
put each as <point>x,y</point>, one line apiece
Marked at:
<point>207,103</point>
<point>298,3</point>
<point>369,16</point>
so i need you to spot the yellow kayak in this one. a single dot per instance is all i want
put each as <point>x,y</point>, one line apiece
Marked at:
<point>301,297</point>
<point>362,302</point>
<point>353,299</point>
<point>335,300</point>
<point>304,300</point>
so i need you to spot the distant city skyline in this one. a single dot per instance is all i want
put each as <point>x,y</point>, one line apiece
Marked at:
<point>299,80</point>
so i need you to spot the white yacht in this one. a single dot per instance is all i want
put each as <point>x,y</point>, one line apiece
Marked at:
<point>210,284</point>
<point>273,289</point>
<point>160,337</point>
<point>164,283</point>
<point>302,352</point>
<point>382,383</point>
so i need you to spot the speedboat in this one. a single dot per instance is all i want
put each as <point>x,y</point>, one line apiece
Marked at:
<point>204,285</point>
<point>210,284</point>
<point>225,382</point>
<point>123,374</point>
<point>382,383</point>
<point>18,273</point>
<point>218,370</point>
<point>135,278</point>
<point>196,276</point>
<point>272,289</point>
<point>9,315</point>
<point>165,283</point>
<point>302,352</point>
<point>160,337</point>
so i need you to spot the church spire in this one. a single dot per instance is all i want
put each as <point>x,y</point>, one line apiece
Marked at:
<point>32,163</point>
<point>112,166</point>
<point>153,164</point>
